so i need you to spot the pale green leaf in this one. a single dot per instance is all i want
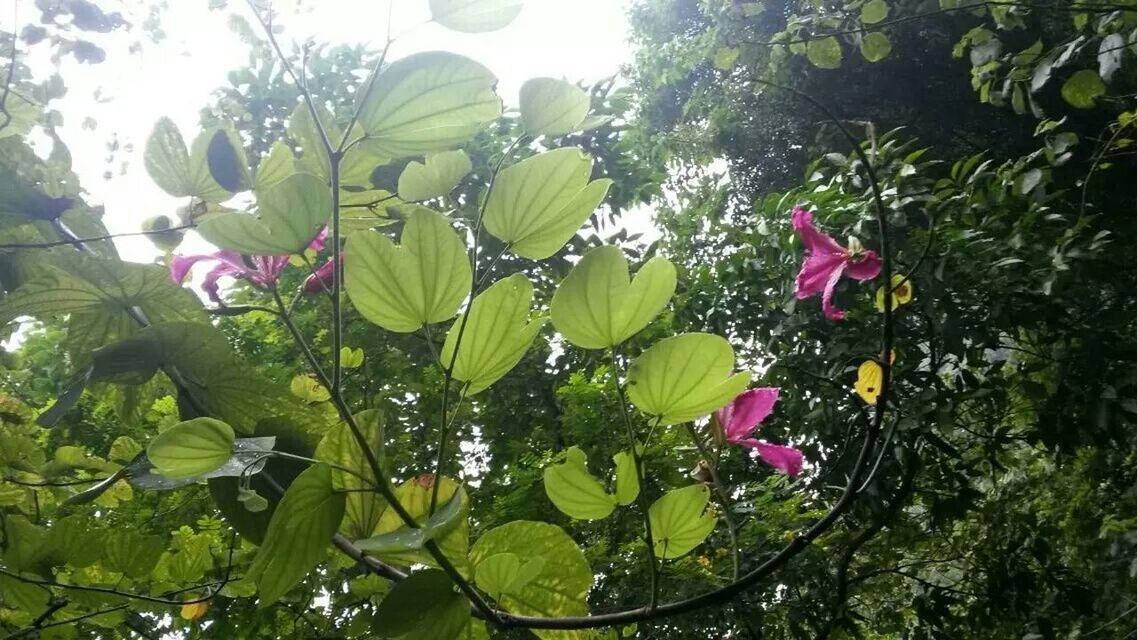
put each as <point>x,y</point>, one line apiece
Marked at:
<point>685,377</point>
<point>597,307</point>
<point>627,480</point>
<point>824,53</point>
<point>167,159</point>
<point>415,495</point>
<point>497,334</point>
<point>422,281</point>
<point>1082,89</point>
<point>678,521</point>
<point>298,533</point>
<point>874,11</point>
<point>446,518</point>
<point>291,213</point>
<point>725,58</point>
<point>875,47</point>
<point>309,389</point>
<point>191,448</point>
<point>425,606</point>
<point>435,177</point>
<point>275,167</point>
<point>474,16</point>
<point>540,202</point>
<point>558,587</point>
<point>552,107</point>
<point>574,491</point>
<point>340,447</point>
<point>428,102</point>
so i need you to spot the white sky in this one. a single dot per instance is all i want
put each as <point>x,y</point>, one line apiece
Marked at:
<point>576,40</point>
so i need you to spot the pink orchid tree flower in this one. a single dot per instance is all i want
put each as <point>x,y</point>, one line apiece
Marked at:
<point>260,271</point>
<point>321,279</point>
<point>742,416</point>
<point>826,261</point>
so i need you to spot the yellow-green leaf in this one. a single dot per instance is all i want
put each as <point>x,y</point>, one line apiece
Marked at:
<point>435,177</point>
<point>552,107</point>
<point>685,377</point>
<point>678,521</point>
<point>191,448</point>
<point>474,16</point>
<point>574,490</point>
<point>291,213</point>
<point>824,53</point>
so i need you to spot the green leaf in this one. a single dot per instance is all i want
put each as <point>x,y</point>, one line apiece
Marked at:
<point>436,178</point>
<point>575,491</point>
<point>425,606</point>
<point>225,159</point>
<point>561,584</point>
<point>275,167</point>
<point>725,58</point>
<point>678,521</point>
<point>497,334</point>
<point>875,47</point>
<point>552,107</point>
<point>351,358</point>
<point>422,281</point>
<point>540,202</point>
<point>132,553</point>
<point>874,11</point>
<point>428,102</point>
<point>627,480</point>
<point>474,16</point>
<point>22,595</point>
<point>1082,89</point>
<point>291,213</point>
<point>309,389</point>
<point>504,574</point>
<point>298,534</point>
<point>453,539</point>
<point>340,447</point>
<point>179,173</point>
<point>191,448</point>
<point>124,448</point>
<point>685,377</point>
<point>444,520</point>
<point>824,53</point>
<point>597,306</point>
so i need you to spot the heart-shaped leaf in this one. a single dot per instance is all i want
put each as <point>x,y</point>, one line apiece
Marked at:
<point>540,202</point>
<point>627,480</point>
<point>575,491</point>
<point>497,334</point>
<point>191,448</point>
<point>552,107</point>
<point>422,281</point>
<point>178,173</point>
<point>444,520</point>
<point>685,377</point>
<point>291,213</point>
<point>425,606</point>
<point>678,521</point>
<point>596,307</point>
<point>436,177</point>
<point>428,102</point>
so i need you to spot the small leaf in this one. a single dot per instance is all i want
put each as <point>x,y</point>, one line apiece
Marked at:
<point>824,53</point>
<point>420,282</point>
<point>167,159</point>
<point>428,102</point>
<point>444,520</point>
<point>309,389</point>
<point>298,534</point>
<point>474,16</point>
<point>678,521</point>
<point>627,480</point>
<point>351,358</point>
<point>497,572</point>
<point>425,606</point>
<point>191,448</point>
<point>725,58</point>
<point>874,11</point>
<point>540,202</point>
<point>434,179</point>
<point>552,107</point>
<point>575,491</point>
<point>498,333</point>
<point>875,47</point>
<point>596,307</point>
<point>290,215</point>
<point>685,377</point>
<point>1082,89</point>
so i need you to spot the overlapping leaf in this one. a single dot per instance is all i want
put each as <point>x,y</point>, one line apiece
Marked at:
<point>575,491</point>
<point>291,213</point>
<point>191,448</point>
<point>474,16</point>
<point>435,177</point>
<point>685,377</point>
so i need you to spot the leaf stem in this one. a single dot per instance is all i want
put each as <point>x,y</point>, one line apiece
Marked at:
<point>723,498</point>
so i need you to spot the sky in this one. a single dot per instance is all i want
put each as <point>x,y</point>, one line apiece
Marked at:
<point>576,40</point>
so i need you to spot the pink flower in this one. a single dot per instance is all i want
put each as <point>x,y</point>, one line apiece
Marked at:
<point>825,262</point>
<point>739,419</point>
<point>320,280</point>
<point>260,271</point>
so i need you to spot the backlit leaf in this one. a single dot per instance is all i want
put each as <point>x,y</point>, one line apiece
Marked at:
<point>575,491</point>
<point>340,447</point>
<point>421,281</point>
<point>627,480</point>
<point>474,16</point>
<point>596,307</point>
<point>540,202</point>
<point>291,213</point>
<point>497,334</point>
<point>552,107</point>
<point>191,448</point>
<point>824,53</point>
<point>435,177</point>
<point>678,521</point>
<point>685,377</point>
<point>415,495</point>
<point>425,606</point>
<point>1082,89</point>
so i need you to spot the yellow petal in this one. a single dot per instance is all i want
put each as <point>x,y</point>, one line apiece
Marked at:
<point>194,610</point>
<point>869,379</point>
<point>901,293</point>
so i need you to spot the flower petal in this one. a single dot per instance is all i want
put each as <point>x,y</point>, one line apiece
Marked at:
<point>748,410</point>
<point>180,266</point>
<point>831,311</point>
<point>866,268</point>
<point>321,280</point>
<point>788,460</point>
<point>811,237</point>
<point>317,243</point>
<point>209,283</point>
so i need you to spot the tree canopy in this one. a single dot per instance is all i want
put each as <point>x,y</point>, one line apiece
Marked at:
<point>871,375</point>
